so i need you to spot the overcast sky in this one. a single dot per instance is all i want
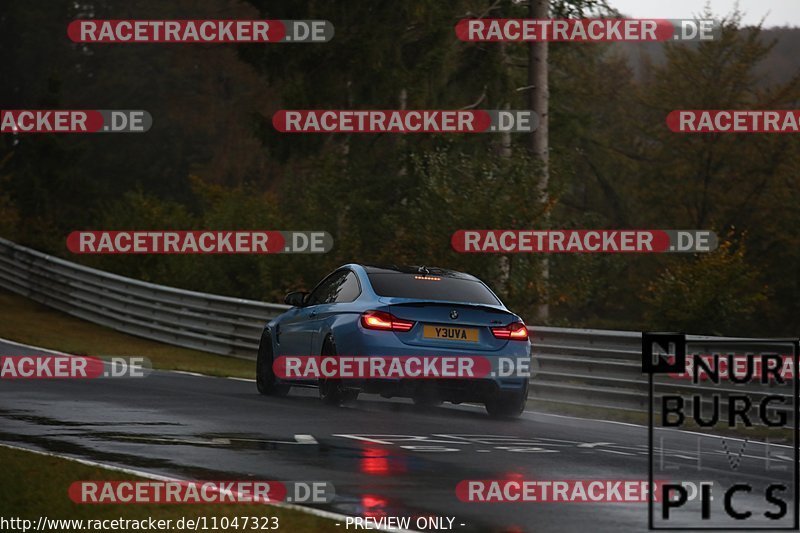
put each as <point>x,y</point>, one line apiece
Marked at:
<point>775,12</point>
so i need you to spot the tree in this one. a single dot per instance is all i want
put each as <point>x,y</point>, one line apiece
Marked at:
<point>714,293</point>
<point>539,91</point>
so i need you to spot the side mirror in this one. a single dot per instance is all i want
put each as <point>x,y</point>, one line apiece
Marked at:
<point>296,298</point>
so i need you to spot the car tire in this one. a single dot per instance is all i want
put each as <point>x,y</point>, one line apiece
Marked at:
<point>332,391</point>
<point>265,377</point>
<point>507,405</point>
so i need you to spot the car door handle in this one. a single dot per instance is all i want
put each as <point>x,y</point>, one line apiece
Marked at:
<point>312,314</point>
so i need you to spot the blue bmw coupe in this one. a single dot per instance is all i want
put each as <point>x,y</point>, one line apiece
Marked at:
<point>400,311</point>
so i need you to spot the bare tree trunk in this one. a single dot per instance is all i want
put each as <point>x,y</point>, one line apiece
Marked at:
<point>505,139</point>
<point>504,262</point>
<point>539,96</point>
<point>403,101</point>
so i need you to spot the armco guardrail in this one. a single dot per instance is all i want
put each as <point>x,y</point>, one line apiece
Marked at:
<point>601,368</point>
<point>596,368</point>
<point>589,368</point>
<point>217,324</point>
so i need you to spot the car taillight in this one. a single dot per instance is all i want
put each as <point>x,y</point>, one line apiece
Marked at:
<point>516,331</point>
<point>384,321</point>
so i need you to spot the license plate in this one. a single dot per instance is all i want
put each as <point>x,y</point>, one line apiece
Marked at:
<point>450,333</point>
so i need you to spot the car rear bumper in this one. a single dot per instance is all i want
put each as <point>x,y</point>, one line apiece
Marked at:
<point>354,340</point>
<point>450,390</point>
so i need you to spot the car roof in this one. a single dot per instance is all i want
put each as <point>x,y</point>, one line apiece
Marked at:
<point>416,269</point>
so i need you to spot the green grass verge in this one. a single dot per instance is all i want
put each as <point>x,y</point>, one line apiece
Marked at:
<point>34,485</point>
<point>26,321</point>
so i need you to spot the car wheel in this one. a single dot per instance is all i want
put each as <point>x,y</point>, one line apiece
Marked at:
<point>333,391</point>
<point>265,377</point>
<point>507,405</point>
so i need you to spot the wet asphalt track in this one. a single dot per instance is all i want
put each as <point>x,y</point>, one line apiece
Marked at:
<point>383,456</point>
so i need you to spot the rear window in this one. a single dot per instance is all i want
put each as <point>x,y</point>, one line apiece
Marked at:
<point>430,287</point>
